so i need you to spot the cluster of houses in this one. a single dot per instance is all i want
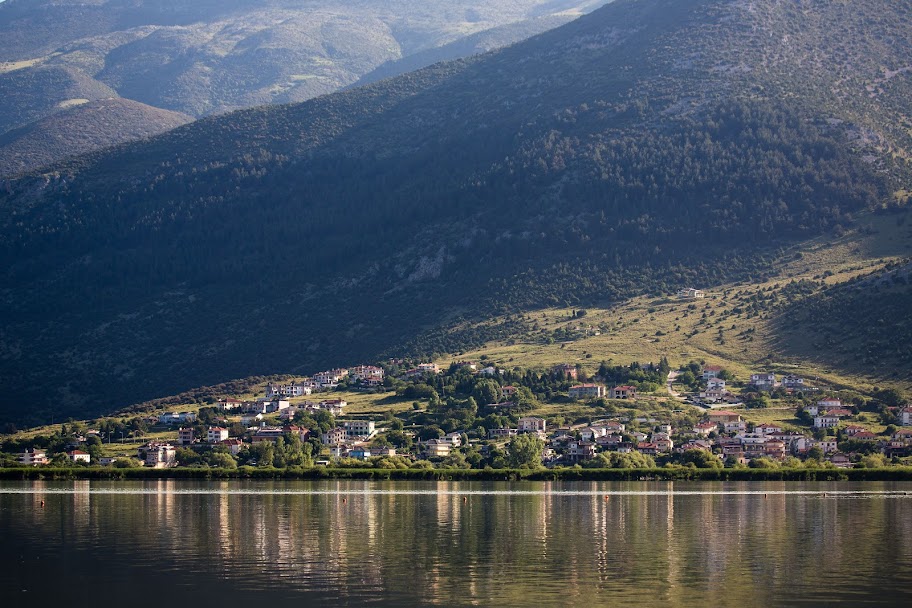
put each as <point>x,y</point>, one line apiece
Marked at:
<point>717,391</point>
<point>767,382</point>
<point>363,376</point>
<point>581,392</point>
<point>254,411</point>
<point>722,433</point>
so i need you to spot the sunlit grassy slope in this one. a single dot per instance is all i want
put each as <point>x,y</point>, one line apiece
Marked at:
<point>718,329</point>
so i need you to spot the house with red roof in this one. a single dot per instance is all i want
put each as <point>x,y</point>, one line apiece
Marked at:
<point>711,371</point>
<point>705,428</point>
<point>79,456</point>
<point>650,449</point>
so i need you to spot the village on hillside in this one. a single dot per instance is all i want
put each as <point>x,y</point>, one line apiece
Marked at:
<point>473,415</point>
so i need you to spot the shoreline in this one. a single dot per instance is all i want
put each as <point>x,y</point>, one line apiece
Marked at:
<point>323,473</point>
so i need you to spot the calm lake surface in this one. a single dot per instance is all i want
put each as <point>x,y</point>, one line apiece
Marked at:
<point>351,543</point>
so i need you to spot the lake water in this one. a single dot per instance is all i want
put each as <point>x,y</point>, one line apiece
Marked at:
<point>347,543</point>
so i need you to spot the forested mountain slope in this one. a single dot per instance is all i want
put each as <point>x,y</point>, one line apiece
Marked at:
<point>211,55</point>
<point>30,95</point>
<point>207,57</point>
<point>85,127</point>
<point>648,145</point>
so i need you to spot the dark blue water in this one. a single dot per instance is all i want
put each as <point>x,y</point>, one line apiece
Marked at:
<point>454,544</point>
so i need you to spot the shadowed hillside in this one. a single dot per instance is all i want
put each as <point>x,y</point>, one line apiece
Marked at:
<point>643,147</point>
<point>30,95</point>
<point>83,128</point>
<point>209,57</point>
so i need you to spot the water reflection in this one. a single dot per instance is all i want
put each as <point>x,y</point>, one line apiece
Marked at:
<point>352,543</point>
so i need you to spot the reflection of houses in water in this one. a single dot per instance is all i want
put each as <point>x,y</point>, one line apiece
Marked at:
<point>82,503</point>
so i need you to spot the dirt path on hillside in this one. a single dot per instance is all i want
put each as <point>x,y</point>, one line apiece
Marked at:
<point>672,376</point>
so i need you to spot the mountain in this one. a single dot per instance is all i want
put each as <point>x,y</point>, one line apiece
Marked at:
<point>210,56</point>
<point>207,57</point>
<point>33,94</point>
<point>83,128</point>
<point>649,145</point>
<point>475,44</point>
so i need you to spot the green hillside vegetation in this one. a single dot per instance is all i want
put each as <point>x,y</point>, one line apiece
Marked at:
<point>84,128</point>
<point>588,165</point>
<point>774,323</point>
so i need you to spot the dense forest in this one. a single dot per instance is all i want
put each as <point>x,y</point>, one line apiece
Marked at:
<point>586,165</point>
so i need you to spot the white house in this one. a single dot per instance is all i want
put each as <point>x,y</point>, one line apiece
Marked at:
<point>715,384</point>
<point>437,448</point>
<point>593,432</point>
<point>905,416</point>
<point>734,426</point>
<point>177,418</point>
<point>826,422</point>
<point>216,434</point>
<point>157,455</point>
<point>333,436</point>
<point>359,429</point>
<point>79,456</point>
<point>829,403</point>
<point>33,457</point>
<point>763,382</point>
<point>330,378</point>
<point>691,294</point>
<point>711,371</point>
<point>276,405</point>
<point>586,391</point>
<point>292,389</point>
<point>454,439</point>
<point>333,406</point>
<point>234,445</point>
<point>827,445</point>
<point>248,419</point>
<point>364,373</point>
<point>531,424</point>
<point>792,381</point>
<point>705,428</point>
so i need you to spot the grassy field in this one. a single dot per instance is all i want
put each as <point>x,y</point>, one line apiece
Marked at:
<point>711,329</point>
